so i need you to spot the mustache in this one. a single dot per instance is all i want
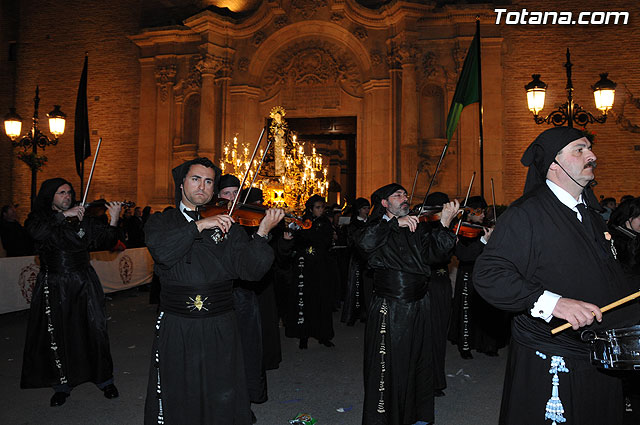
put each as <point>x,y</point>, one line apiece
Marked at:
<point>591,164</point>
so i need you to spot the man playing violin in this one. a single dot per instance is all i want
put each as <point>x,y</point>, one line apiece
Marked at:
<point>196,327</point>
<point>398,359</point>
<point>67,342</point>
<point>246,306</point>
<point>549,260</point>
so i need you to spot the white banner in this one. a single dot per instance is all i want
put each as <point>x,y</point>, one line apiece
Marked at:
<point>117,271</point>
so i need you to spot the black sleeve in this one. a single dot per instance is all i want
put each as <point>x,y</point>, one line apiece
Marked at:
<point>502,273</point>
<point>168,243</point>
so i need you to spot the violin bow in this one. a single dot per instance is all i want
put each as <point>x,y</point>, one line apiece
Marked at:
<point>493,199</point>
<point>415,180</point>
<point>433,177</point>
<point>93,166</point>
<point>264,155</point>
<point>246,173</point>
<point>466,199</point>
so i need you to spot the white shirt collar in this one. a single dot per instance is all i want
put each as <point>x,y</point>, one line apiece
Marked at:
<point>183,207</point>
<point>565,197</point>
<point>360,218</point>
<point>386,217</point>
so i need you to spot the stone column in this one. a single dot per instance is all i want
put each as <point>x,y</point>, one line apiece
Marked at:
<point>147,134</point>
<point>409,119</point>
<point>207,109</point>
<point>165,74</point>
<point>376,147</point>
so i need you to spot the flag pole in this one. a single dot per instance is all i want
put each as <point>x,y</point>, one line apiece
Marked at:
<point>480,111</point>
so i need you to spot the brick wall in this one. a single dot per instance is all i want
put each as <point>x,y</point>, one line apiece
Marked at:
<point>53,38</point>
<point>594,49</point>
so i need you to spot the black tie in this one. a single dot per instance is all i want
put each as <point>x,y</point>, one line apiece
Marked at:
<point>193,214</point>
<point>586,219</point>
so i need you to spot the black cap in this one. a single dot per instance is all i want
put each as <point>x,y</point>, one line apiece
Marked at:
<point>228,180</point>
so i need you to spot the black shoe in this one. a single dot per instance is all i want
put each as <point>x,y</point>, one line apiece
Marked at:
<point>303,343</point>
<point>466,355</point>
<point>438,393</point>
<point>110,391</point>
<point>253,418</point>
<point>326,343</point>
<point>58,399</point>
<point>491,353</point>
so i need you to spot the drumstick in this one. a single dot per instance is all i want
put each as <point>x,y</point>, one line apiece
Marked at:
<point>603,309</point>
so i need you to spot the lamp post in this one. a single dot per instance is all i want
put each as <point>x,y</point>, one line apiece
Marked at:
<point>570,112</point>
<point>34,138</point>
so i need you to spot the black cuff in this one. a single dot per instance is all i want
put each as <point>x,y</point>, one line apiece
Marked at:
<point>257,237</point>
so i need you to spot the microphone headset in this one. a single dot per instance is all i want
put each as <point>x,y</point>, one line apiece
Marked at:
<point>589,184</point>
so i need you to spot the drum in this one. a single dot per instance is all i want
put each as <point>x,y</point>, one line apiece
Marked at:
<point>617,349</point>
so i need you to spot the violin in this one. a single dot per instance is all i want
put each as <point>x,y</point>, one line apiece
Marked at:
<point>103,203</point>
<point>434,213</point>
<point>248,215</point>
<point>469,230</point>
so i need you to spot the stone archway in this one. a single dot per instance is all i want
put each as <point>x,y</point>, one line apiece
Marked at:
<point>319,69</point>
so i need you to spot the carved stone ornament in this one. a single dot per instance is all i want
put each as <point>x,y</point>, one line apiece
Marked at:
<point>165,76</point>
<point>193,80</point>
<point>307,8</point>
<point>623,122</point>
<point>258,38</point>
<point>336,18</point>
<point>430,65</point>
<point>281,21</point>
<point>243,64</point>
<point>459,54</point>
<point>360,33</point>
<point>313,63</point>
<point>214,65</point>
<point>401,53</point>
<point>376,57</point>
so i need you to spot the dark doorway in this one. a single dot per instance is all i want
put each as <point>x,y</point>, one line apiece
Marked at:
<point>335,139</point>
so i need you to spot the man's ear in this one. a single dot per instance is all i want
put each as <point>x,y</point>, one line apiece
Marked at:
<point>384,203</point>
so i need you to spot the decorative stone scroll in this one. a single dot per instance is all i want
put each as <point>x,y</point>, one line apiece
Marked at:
<point>307,8</point>
<point>165,76</point>
<point>314,70</point>
<point>360,33</point>
<point>214,65</point>
<point>192,82</point>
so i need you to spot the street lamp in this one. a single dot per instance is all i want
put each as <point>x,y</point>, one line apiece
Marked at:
<point>34,138</point>
<point>569,112</point>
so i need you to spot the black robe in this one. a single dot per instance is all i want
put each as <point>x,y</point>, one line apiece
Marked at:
<point>197,371</point>
<point>311,294</point>
<point>475,324</point>
<point>354,307</point>
<point>440,294</point>
<point>398,358</point>
<point>76,322</point>
<point>539,244</point>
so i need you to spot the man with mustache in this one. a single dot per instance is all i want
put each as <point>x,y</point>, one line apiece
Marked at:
<point>550,260</point>
<point>67,342</point>
<point>197,371</point>
<point>398,360</point>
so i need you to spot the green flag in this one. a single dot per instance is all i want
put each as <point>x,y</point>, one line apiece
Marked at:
<point>468,88</point>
